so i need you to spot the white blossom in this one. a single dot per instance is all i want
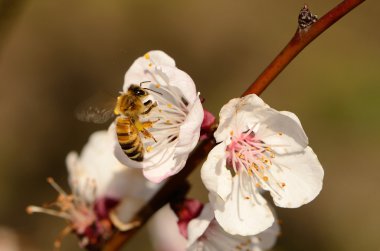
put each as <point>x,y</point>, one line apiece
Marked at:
<point>105,193</point>
<point>176,119</point>
<point>204,234</point>
<point>260,149</point>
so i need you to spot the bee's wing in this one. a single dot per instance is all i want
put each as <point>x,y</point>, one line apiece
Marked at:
<point>98,109</point>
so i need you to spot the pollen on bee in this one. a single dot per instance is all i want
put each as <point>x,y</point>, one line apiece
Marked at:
<point>265,178</point>
<point>157,85</point>
<point>149,148</point>
<point>147,56</point>
<point>170,105</point>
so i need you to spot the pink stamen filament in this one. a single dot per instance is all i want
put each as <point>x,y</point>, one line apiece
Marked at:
<point>248,154</point>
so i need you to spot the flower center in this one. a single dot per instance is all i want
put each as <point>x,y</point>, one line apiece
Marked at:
<point>81,215</point>
<point>247,154</point>
<point>167,117</point>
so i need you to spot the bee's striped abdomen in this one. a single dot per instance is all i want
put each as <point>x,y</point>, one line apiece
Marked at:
<point>129,138</point>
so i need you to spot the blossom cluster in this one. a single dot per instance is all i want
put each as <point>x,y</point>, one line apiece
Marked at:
<point>159,121</point>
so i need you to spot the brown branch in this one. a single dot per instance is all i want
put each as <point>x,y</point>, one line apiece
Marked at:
<point>299,41</point>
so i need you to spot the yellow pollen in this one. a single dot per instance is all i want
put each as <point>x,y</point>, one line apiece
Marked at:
<point>258,185</point>
<point>157,85</point>
<point>265,178</point>
<point>231,133</point>
<point>240,156</point>
<point>147,56</point>
<point>170,105</point>
<point>272,155</point>
<point>150,64</point>
<point>149,149</point>
<point>250,172</point>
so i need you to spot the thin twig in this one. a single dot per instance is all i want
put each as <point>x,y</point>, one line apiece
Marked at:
<point>299,41</point>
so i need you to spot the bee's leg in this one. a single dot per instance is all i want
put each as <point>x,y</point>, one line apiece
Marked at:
<point>150,106</point>
<point>147,134</point>
<point>146,125</point>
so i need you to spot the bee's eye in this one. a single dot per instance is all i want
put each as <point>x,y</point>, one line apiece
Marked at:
<point>139,92</point>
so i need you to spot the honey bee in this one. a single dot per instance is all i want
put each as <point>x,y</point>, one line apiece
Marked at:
<point>129,106</point>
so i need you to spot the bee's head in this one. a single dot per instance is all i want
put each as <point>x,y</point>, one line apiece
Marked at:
<point>137,91</point>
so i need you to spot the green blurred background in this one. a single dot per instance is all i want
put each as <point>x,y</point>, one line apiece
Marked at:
<point>56,54</point>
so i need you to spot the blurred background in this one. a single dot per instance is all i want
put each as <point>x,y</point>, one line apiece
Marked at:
<point>56,54</point>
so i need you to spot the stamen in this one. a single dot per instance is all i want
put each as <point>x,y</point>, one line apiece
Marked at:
<point>35,209</point>
<point>246,154</point>
<point>51,181</point>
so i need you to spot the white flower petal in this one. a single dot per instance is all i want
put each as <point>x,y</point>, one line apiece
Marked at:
<point>292,116</point>
<point>166,169</point>
<point>238,115</point>
<point>95,168</point>
<point>189,132</point>
<point>215,238</point>
<point>266,239</point>
<point>215,175</point>
<point>283,133</point>
<point>198,226</point>
<point>178,80</point>
<point>160,58</point>
<point>302,176</point>
<point>170,239</point>
<point>139,70</point>
<point>242,216</point>
<point>138,191</point>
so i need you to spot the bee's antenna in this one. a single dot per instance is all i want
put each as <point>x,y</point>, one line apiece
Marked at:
<point>148,81</point>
